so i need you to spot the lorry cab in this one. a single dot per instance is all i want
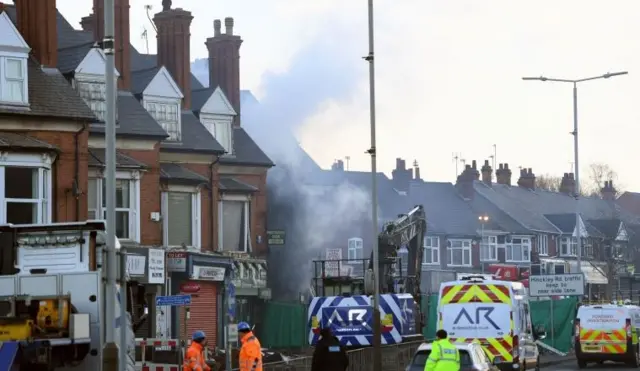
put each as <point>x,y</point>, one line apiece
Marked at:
<point>607,332</point>
<point>489,312</point>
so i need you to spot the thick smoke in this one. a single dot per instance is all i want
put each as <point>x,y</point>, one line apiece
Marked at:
<point>314,207</point>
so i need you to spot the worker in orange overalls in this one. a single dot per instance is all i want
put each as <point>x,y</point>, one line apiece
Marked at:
<point>250,351</point>
<point>194,357</point>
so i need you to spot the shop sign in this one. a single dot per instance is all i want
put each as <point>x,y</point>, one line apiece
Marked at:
<point>275,238</point>
<point>208,273</point>
<point>136,265</point>
<point>156,266</point>
<point>189,287</point>
<point>177,261</point>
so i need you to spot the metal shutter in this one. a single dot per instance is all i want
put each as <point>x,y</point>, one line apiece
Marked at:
<point>204,312</point>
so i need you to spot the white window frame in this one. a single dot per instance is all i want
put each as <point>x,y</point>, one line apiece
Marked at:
<point>431,247</point>
<point>42,162</point>
<point>212,122</point>
<point>489,248</point>
<point>5,57</point>
<point>543,245</point>
<point>150,104</point>
<point>133,177</point>
<point>94,82</point>
<point>354,245</point>
<point>247,221</point>
<point>525,245</point>
<point>196,214</point>
<point>568,246</point>
<point>465,245</point>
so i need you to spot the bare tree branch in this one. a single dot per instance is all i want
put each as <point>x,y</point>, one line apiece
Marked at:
<point>548,182</point>
<point>599,173</point>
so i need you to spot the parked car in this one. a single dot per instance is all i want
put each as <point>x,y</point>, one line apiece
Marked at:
<point>472,358</point>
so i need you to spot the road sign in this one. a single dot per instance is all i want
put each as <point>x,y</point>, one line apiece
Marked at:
<point>275,237</point>
<point>557,285</point>
<point>231,300</point>
<point>173,301</point>
<point>232,332</point>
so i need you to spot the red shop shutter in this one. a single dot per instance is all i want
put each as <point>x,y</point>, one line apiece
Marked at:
<point>204,311</point>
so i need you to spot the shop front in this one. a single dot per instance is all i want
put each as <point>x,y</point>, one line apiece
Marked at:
<point>251,291</point>
<point>202,276</point>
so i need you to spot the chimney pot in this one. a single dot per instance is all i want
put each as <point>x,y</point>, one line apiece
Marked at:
<point>166,5</point>
<point>530,171</point>
<point>228,24</point>
<point>486,172</point>
<point>217,25</point>
<point>467,167</point>
<point>486,162</point>
<point>473,164</point>
<point>501,166</point>
<point>506,166</point>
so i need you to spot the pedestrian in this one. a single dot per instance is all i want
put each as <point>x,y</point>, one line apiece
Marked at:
<point>194,356</point>
<point>444,355</point>
<point>250,349</point>
<point>329,355</point>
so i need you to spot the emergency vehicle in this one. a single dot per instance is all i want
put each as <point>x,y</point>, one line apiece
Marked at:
<point>491,313</point>
<point>607,332</point>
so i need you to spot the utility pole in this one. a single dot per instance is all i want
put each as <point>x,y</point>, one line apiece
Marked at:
<point>110,351</point>
<point>377,334</point>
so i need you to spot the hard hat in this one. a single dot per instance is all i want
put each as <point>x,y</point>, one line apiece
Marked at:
<point>198,335</point>
<point>243,326</point>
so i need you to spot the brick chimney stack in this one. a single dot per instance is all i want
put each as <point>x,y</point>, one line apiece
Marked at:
<point>224,62</point>
<point>88,23</point>
<point>503,174</point>
<point>487,172</point>
<point>37,22</point>
<point>568,184</point>
<point>401,176</point>
<point>173,46</point>
<point>122,37</point>
<point>474,174</point>
<point>608,192</point>
<point>527,179</point>
<point>338,165</point>
<point>464,182</point>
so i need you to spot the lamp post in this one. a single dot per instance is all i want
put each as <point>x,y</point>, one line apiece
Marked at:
<point>575,143</point>
<point>483,220</point>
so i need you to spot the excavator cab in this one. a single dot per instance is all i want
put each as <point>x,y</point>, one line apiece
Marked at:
<point>339,277</point>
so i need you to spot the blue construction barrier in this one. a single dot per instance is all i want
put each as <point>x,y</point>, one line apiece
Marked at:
<point>8,351</point>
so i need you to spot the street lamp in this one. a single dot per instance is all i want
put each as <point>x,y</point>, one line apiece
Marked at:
<point>483,220</point>
<point>575,143</point>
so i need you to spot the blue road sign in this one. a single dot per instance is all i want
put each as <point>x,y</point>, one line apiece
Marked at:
<point>173,301</point>
<point>231,299</point>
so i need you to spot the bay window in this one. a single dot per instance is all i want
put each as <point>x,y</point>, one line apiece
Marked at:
<point>355,249</point>
<point>568,246</point>
<point>127,204</point>
<point>25,189</point>
<point>543,244</point>
<point>519,250</point>
<point>167,114</point>
<point>431,254</point>
<point>181,216</point>
<point>489,248</point>
<point>234,218</point>
<point>459,253</point>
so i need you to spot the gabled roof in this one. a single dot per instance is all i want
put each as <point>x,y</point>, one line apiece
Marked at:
<point>195,138</point>
<point>69,58</point>
<point>140,79</point>
<point>609,228</point>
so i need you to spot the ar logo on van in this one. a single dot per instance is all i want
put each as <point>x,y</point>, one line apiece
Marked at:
<point>479,310</point>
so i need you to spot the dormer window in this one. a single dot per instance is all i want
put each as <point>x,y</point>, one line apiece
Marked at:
<point>95,96</point>
<point>167,115</point>
<point>14,80</point>
<point>220,128</point>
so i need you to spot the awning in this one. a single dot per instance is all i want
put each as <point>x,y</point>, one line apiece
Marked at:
<point>593,275</point>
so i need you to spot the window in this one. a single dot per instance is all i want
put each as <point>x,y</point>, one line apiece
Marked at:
<point>95,96</point>
<point>181,217</point>
<point>235,221</point>
<point>14,80</point>
<point>355,249</point>
<point>127,205</point>
<point>489,248</point>
<point>519,250</point>
<point>168,116</point>
<point>221,130</point>
<point>568,246</point>
<point>459,253</point>
<point>25,189</point>
<point>543,244</point>
<point>431,247</point>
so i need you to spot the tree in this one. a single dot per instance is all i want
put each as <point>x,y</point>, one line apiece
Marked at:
<point>549,182</point>
<point>598,174</point>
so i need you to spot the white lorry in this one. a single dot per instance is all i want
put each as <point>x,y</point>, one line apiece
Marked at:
<point>52,298</point>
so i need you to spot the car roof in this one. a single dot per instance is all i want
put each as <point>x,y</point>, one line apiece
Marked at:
<point>459,346</point>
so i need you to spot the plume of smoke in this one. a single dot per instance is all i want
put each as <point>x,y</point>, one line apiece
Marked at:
<point>314,207</point>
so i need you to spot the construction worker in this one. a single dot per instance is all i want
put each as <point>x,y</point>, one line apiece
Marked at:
<point>250,350</point>
<point>194,357</point>
<point>444,356</point>
<point>329,355</point>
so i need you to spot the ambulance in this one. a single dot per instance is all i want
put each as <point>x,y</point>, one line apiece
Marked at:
<point>491,313</point>
<point>607,332</point>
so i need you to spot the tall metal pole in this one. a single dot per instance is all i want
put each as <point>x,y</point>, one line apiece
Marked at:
<point>377,335</point>
<point>483,246</point>
<point>111,348</point>
<point>123,311</point>
<point>577,174</point>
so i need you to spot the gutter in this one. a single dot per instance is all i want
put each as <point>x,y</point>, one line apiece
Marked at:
<point>212,202</point>
<point>76,191</point>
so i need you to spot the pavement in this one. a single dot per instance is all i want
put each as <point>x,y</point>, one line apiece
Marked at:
<point>551,360</point>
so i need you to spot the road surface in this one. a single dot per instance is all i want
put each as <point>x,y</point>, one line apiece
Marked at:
<point>572,365</point>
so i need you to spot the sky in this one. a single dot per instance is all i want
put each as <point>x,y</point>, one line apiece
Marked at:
<point>448,77</point>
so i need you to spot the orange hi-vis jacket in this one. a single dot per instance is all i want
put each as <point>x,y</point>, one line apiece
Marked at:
<point>250,353</point>
<point>194,358</point>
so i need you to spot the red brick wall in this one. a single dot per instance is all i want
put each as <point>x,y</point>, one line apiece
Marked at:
<point>150,231</point>
<point>64,203</point>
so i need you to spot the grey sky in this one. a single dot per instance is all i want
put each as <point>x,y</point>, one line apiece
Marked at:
<point>448,76</point>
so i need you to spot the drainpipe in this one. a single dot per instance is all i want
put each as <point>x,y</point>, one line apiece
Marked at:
<point>76,182</point>
<point>212,202</point>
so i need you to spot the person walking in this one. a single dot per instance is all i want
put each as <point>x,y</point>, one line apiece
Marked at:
<point>194,356</point>
<point>250,349</point>
<point>329,355</point>
<point>444,355</point>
